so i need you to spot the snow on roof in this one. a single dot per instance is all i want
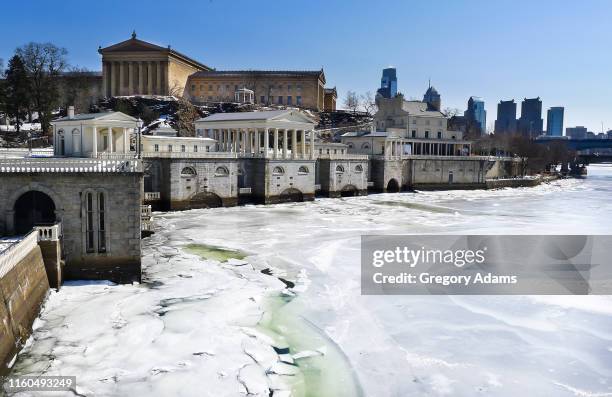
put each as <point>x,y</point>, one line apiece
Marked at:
<point>265,115</point>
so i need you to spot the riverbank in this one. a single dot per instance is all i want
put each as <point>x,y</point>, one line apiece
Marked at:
<point>185,325</point>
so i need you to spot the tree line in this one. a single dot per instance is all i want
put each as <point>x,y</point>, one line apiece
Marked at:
<point>31,83</point>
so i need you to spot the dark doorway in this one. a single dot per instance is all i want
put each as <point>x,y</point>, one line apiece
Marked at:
<point>289,195</point>
<point>205,200</point>
<point>392,186</point>
<point>33,208</point>
<point>348,191</point>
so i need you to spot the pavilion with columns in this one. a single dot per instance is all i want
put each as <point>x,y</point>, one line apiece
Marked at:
<point>275,134</point>
<point>94,135</point>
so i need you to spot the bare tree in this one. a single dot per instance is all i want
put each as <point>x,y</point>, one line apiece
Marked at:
<point>369,103</point>
<point>44,63</point>
<point>351,101</point>
<point>450,112</point>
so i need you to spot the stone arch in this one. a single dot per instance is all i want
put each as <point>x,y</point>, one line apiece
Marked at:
<point>221,171</point>
<point>339,168</point>
<point>393,186</point>
<point>188,171</point>
<point>205,200</point>
<point>358,168</point>
<point>278,170</point>
<point>33,208</point>
<point>348,191</point>
<point>291,195</point>
<point>303,170</point>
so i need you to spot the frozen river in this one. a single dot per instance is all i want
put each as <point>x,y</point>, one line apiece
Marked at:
<point>203,324</point>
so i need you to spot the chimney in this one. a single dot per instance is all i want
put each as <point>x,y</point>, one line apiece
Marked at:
<point>70,112</point>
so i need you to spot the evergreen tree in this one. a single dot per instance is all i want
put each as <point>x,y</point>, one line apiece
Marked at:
<point>17,90</point>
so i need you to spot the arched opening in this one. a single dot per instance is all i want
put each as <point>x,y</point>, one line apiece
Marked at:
<point>221,171</point>
<point>348,191</point>
<point>205,200</point>
<point>339,169</point>
<point>303,170</point>
<point>188,172</point>
<point>278,171</point>
<point>291,195</point>
<point>358,168</point>
<point>33,208</point>
<point>392,186</point>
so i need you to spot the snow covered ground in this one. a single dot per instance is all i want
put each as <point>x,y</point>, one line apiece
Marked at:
<point>229,328</point>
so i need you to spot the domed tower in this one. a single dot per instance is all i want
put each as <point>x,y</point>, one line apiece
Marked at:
<point>432,98</point>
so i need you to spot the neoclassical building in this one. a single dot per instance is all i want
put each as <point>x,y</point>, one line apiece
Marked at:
<point>270,87</point>
<point>136,67</point>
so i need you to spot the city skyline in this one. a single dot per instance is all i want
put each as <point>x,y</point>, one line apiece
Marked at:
<point>562,68</point>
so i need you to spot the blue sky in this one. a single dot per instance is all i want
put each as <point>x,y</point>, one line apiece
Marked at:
<point>559,50</point>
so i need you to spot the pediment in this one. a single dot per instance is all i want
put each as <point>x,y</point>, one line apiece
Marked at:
<point>132,45</point>
<point>294,116</point>
<point>116,116</point>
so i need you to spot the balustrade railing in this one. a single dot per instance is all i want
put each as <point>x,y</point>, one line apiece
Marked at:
<point>244,190</point>
<point>145,211</point>
<point>66,165</point>
<point>49,233</point>
<point>152,196</point>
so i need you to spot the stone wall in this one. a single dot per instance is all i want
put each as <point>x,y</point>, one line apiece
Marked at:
<point>447,173</point>
<point>120,260</point>
<point>347,180</point>
<point>270,186</point>
<point>22,292</point>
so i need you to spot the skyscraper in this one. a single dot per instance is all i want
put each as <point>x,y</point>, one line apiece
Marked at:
<point>388,83</point>
<point>432,98</point>
<point>531,124</point>
<point>476,113</point>
<point>554,121</point>
<point>506,117</point>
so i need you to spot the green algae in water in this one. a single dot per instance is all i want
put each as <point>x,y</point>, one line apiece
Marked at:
<point>214,253</point>
<point>329,375</point>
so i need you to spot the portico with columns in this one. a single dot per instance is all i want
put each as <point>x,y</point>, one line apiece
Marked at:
<point>275,146</point>
<point>136,67</point>
<point>94,135</point>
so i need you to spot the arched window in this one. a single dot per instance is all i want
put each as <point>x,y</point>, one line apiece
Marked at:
<point>76,141</point>
<point>221,171</point>
<point>358,168</point>
<point>303,170</point>
<point>188,172</point>
<point>365,146</point>
<point>278,171</point>
<point>350,145</point>
<point>61,143</point>
<point>95,207</point>
<point>339,169</point>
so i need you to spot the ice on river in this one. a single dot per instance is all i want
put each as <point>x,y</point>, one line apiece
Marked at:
<point>190,328</point>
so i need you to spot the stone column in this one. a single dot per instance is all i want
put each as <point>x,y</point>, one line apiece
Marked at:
<point>266,142</point>
<point>285,144</point>
<point>105,75</point>
<point>159,82</point>
<point>312,144</point>
<point>110,139</point>
<point>130,78</point>
<point>140,78</point>
<point>276,143</point>
<point>126,143</point>
<point>95,142</point>
<point>294,144</point>
<point>303,144</point>
<point>150,78</point>
<point>121,78</point>
<point>113,80</point>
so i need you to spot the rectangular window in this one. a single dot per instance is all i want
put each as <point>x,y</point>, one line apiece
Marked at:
<point>195,148</point>
<point>262,99</point>
<point>414,133</point>
<point>156,147</point>
<point>101,223</point>
<point>89,224</point>
<point>182,148</point>
<point>439,134</point>
<point>289,101</point>
<point>210,87</point>
<point>169,148</point>
<point>288,87</point>
<point>298,100</point>
<point>280,100</point>
<point>426,134</point>
<point>193,88</point>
